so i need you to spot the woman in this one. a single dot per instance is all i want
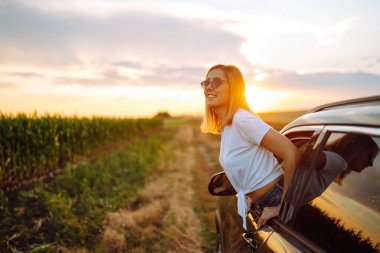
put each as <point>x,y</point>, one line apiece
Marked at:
<point>248,144</point>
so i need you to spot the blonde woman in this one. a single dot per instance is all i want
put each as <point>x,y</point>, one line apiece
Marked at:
<point>248,144</point>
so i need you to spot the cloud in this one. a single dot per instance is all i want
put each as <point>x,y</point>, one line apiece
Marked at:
<point>176,75</point>
<point>127,48</point>
<point>127,63</point>
<point>5,85</point>
<point>346,84</point>
<point>152,76</point>
<point>38,37</point>
<point>20,74</point>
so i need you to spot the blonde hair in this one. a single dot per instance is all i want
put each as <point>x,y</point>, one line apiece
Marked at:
<point>211,123</point>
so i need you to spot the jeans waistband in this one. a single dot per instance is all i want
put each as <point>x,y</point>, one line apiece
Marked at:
<point>273,196</point>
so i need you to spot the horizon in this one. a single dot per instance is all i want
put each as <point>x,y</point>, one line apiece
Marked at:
<point>200,115</point>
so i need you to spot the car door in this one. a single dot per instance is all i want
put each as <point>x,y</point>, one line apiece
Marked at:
<point>343,212</point>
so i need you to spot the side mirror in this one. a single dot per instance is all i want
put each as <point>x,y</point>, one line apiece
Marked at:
<point>220,185</point>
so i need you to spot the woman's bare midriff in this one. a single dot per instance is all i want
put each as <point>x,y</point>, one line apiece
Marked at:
<point>261,192</point>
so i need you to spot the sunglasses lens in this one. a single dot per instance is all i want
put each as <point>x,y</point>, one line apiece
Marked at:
<point>214,83</point>
<point>205,83</point>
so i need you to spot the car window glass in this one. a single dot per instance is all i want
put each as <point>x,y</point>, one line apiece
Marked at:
<point>340,209</point>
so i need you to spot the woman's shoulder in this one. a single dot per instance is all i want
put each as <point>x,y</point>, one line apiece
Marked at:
<point>242,114</point>
<point>334,161</point>
<point>251,125</point>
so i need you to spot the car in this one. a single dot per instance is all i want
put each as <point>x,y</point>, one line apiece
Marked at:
<point>333,201</point>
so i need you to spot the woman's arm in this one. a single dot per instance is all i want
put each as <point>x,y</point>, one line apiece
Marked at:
<point>284,149</point>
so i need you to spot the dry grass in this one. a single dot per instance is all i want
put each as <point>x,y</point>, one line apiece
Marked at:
<point>181,225</point>
<point>206,156</point>
<point>163,220</point>
<point>128,229</point>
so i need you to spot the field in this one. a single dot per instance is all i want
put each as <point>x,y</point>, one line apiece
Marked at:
<point>145,195</point>
<point>279,119</point>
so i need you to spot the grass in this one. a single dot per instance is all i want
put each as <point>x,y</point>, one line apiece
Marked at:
<point>69,212</point>
<point>204,204</point>
<point>180,122</point>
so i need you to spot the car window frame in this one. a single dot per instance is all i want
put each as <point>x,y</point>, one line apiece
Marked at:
<point>291,197</point>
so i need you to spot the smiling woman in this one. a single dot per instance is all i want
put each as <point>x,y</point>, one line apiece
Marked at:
<point>248,144</point>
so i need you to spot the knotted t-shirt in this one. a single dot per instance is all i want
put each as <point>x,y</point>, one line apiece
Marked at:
<point>248,165</point>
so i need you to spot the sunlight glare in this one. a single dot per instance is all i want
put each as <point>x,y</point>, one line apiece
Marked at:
<point>261,99</point>
<point>260,77</point>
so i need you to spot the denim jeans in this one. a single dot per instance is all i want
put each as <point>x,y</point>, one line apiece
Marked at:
<point>273,197</point>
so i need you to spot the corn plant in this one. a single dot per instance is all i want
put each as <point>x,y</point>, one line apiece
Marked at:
<point>32,145</point>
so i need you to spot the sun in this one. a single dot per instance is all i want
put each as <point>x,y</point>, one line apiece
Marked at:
<point>263,100</point>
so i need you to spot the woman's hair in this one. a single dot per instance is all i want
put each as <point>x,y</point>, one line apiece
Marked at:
<point>211,123</point>
<point>351,145</point>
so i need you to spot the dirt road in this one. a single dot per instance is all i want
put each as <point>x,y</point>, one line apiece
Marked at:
<point>174,212</point>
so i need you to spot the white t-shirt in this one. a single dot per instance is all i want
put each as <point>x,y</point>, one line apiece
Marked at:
<point>248,165</point>
<point>320,180</point>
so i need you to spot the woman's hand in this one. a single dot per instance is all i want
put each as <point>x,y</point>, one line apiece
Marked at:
<point>268,213</point>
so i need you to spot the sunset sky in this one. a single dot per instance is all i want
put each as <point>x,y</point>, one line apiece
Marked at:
<point>136,58</point>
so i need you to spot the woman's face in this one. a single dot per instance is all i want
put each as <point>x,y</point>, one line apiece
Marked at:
<point>219,96</point>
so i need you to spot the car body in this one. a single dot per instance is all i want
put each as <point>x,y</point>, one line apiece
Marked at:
<point>337,214</point>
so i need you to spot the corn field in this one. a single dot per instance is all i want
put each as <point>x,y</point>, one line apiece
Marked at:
<point>32,146</point>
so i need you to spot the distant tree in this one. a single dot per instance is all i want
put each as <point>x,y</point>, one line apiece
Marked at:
<point>162,115</point>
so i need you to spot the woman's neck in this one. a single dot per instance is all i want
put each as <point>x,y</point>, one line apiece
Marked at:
<point>221,112</point>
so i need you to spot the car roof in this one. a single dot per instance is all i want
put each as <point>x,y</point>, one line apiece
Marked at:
<point>358,112</point>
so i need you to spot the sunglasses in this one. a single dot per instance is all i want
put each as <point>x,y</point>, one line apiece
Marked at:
<point>215,83</point>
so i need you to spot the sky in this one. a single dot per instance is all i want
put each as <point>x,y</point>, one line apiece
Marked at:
<point>138,58</point>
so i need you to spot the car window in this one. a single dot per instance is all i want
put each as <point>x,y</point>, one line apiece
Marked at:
<point>340,205</point>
